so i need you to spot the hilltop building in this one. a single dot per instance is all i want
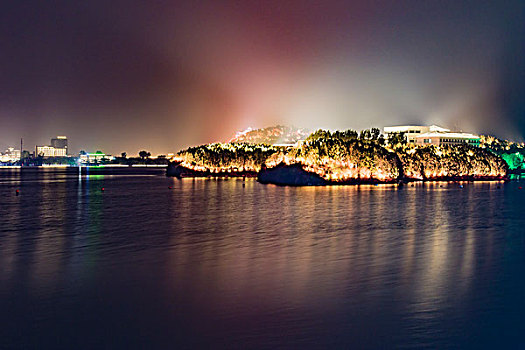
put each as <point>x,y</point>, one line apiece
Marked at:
<point>411,131</point>
<point>58,148</point>
<point>447,138</point>
<point>432,135</point>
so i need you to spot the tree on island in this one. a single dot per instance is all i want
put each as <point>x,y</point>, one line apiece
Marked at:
<point>375,133</point>
<point>365,135</point>
<point>397,140</point>
<point>124,155</point>
<point>144,155</point>
<point>325,134</point>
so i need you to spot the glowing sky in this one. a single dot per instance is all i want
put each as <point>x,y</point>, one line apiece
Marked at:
<point>162,75</point>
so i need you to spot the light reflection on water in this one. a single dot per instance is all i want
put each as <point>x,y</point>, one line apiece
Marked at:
<point>227,263</point>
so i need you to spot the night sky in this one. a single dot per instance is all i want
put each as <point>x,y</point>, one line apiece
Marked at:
<point>162,75</point>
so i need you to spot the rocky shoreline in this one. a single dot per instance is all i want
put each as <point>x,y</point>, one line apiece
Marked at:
<point>295,175</point>
<point>177,170</point>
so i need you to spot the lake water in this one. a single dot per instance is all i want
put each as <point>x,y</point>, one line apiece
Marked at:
<point>231,264</point>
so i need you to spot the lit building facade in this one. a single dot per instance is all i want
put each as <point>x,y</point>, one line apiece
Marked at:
<point>59,142</point>
<point>58,148</point>
<point>10,155</point>
<point>447,139</point>
<point>93,158</point>
<point>411,131</point>
<point>50,151</point>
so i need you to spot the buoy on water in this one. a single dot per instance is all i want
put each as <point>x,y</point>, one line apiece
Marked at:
<point>102,189</point>
<point>17,192</point>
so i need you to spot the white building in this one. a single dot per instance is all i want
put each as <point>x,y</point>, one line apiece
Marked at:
<point>50,151</point>
<point>58,148</point>
<point>10,155</point>
<point>93,158</point>
<point>447,138</point>
<point>411,131</point>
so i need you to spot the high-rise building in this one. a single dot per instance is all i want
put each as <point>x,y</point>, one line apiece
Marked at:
<point>59,142</point>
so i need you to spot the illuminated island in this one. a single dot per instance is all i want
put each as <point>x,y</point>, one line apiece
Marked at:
<point>338,158</point>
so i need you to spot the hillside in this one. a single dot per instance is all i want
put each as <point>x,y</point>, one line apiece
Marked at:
<point>222,158</point>
<point>345,157</point>
<point>512,153</point>
<point>273,135</point>
<point>340,160</point>
<point>338,157</point>
<point>450,162</point>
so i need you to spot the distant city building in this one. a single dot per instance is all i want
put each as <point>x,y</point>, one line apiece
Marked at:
<point>447,138</point>
<point>10,155</point>
<point>59,142</point>
<point>93,158</point>
<point>58,148</point>
<point>49,151</point>
<point>411,131</point>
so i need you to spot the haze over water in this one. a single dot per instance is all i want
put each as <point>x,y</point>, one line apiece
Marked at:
<point>228,264</point>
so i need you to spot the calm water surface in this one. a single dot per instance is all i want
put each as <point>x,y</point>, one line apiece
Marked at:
<point>222,264</point>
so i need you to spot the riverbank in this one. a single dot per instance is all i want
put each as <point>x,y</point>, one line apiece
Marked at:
<point>84,166</point>
<point>295,175</point>
<point>179,171</point>
<point>75,172</point>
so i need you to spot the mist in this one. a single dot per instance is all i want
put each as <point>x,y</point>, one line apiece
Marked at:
<point>126,76</point>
